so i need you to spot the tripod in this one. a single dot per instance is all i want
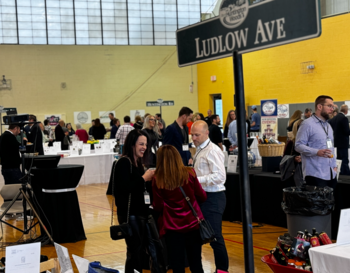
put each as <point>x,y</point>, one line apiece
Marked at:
<point>23,191</point>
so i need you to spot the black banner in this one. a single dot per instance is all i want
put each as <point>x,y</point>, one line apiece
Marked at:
<point>248,28</point>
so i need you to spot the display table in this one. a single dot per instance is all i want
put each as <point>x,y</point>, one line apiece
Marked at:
<point>266,191</point>
<point>55,192</point>
<point>330,259</point>
<point>97,167</point>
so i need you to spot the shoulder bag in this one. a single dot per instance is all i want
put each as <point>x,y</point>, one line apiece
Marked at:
<point>206,231</point>
<point>122,231</point>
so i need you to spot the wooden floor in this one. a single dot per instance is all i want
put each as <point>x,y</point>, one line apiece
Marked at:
<point>95,208</point>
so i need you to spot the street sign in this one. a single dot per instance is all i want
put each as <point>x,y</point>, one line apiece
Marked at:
<point>156,103</point>
<point>243,28</point>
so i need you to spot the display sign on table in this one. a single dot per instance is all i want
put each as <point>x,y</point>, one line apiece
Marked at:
<point>232,164</point>
<point>344,227</point>
<point>86,149</point>
<point>53,119</point>
<point>82,117</point>
<point>64,259</point>
<point>74,150</point>
<point>57,146</point>
<point>134,113</point>
<point>104,116</point>
<point>283,110</point>
<point>248,28</point>
<point>23,258</point>
<point>338,167</point>
<point>98,148</point>
<point>78,144</point>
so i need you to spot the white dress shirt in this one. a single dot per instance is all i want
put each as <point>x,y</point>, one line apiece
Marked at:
<point>209,167</point>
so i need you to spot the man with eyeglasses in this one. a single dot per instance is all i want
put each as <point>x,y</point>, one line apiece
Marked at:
<point>314,141</point>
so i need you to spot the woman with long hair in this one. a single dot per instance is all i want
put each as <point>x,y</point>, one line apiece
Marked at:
<point>231,116</point>
<point>155,131</point>
<point>132,184</point>
<point>200,116</point>
<point>98,130</point>
<point>70,129</point>
<point>296,116</point>
<point>177,223</point>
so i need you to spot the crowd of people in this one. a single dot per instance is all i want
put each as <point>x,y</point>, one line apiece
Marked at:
<point>152,180</point>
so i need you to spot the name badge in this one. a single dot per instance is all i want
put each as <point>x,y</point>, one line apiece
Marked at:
<point>147,198</point>
<point>329,143</point>
<point>185,147</point>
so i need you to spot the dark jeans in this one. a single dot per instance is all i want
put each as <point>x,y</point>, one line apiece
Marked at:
<point>180,244</point>
<point>255,131</point>
<point>343,154</point>
<point>11,176</point>
<point>314,181</point>
<point>213,210</point>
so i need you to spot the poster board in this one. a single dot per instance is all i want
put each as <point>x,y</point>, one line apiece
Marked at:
<point>82,117</point>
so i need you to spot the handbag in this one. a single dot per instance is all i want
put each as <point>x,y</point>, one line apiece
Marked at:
<point>206,231</point>
<point>287,167</point>
<point>96,267</point>
<point>122,231</point>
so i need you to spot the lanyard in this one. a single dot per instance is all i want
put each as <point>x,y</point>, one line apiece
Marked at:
<point>322,125</point>
<point>194,160</point>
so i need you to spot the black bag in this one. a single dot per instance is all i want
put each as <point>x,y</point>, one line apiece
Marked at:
<point>206,231</point>
<point>124,230</point>
<point>287,167</point>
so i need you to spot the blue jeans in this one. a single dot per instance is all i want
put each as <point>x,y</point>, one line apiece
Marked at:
<point>213,210</point>
<point>11,176</point>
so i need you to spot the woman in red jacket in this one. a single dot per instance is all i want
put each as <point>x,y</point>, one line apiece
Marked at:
<point>177,222</point>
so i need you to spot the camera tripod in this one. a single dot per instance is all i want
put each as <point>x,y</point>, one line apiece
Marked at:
<point>26,193</point>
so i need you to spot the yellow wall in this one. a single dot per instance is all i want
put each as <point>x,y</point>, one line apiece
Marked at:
<point>98,78</point>
<point>276,72</point>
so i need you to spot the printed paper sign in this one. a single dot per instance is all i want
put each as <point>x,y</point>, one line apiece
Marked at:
<point>83,117</point>
<point>63,258</point>
<point>269,108</point>
<point>104,116</point>
<point>24,258</point>
<point>269,127</point>
<point>232,164</point>
<point>134,113</point>
<point>53,119</point>
<point>283,111</point>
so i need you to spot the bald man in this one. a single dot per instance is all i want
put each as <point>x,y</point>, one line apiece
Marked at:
<point>208,163</point>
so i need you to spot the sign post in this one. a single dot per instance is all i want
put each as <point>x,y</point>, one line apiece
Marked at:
<point>160,101</point>
<point>241,28</point>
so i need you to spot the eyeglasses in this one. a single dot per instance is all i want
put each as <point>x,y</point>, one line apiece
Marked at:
<point>152,119</point>
<point>329,106</point>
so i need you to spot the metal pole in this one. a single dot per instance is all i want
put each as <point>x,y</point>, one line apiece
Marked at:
<point>161,116</point>
<point>243,164</point>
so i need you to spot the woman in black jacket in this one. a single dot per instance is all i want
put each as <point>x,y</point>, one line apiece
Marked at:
<point>132,183</point>
<point>98,130</point>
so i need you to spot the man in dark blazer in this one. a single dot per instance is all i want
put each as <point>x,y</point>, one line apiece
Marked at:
<point>10,157</point>
<point>340,125</point>
<point>35,136</point>
<point>60,134</point>
<point>176,134</point>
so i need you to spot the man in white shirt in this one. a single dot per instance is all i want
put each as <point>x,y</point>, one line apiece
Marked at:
<point>124,130</point>
<point>208,163</point>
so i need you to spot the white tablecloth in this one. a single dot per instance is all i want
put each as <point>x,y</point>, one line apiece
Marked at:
<point>330,259</point>
<point>97,167</point>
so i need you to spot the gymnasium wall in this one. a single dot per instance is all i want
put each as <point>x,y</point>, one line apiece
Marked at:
<point>98,78</point>
<point>278,72</point>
